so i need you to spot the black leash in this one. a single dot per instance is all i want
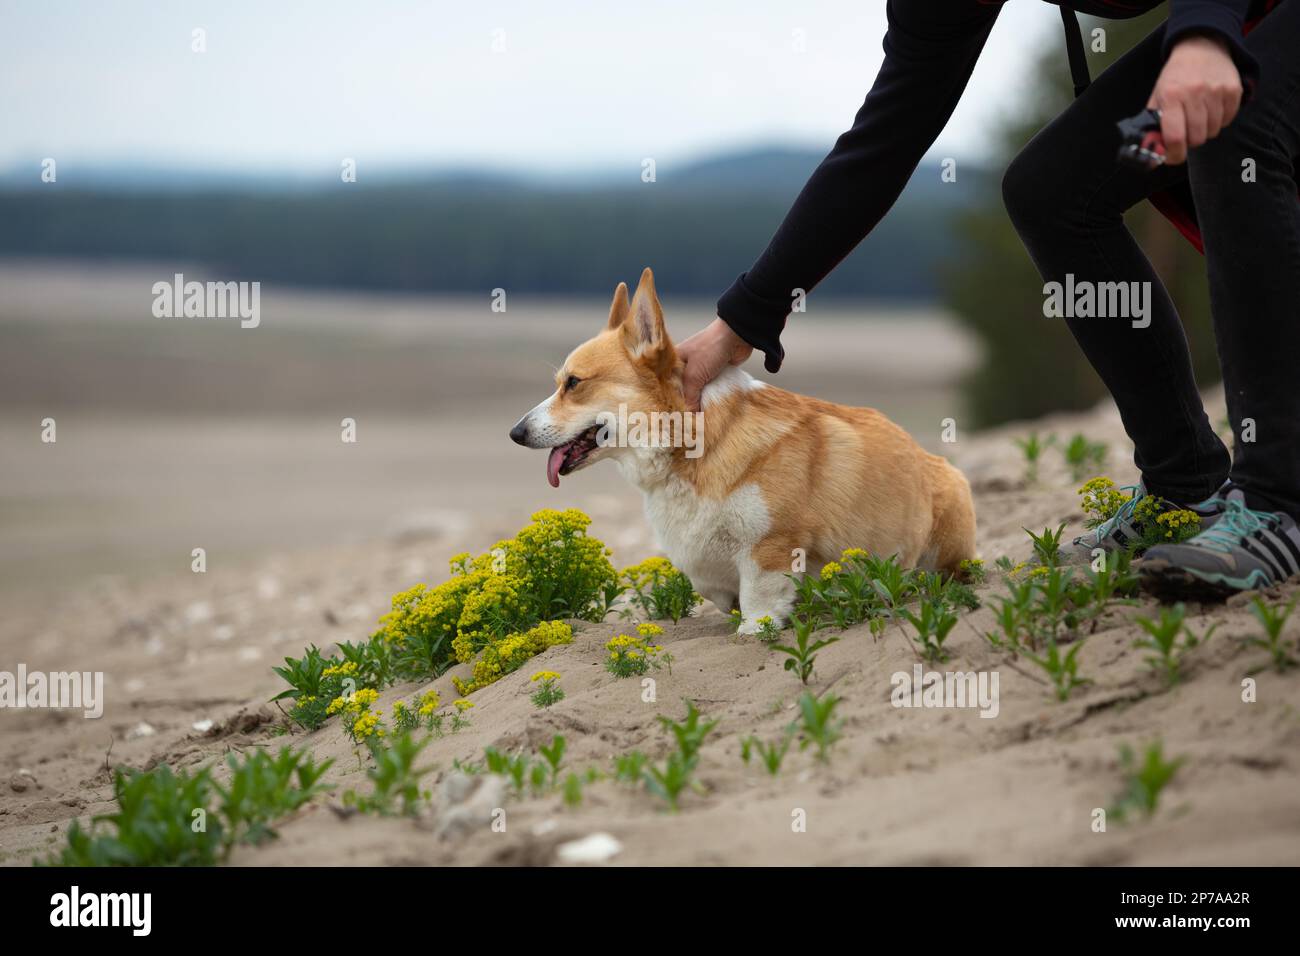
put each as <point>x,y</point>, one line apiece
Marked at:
<point>1140,144</point>
<point>1074,47</point>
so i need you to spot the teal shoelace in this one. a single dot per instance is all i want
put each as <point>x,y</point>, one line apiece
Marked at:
<point>1123,513</point>
<point>1238,522</point>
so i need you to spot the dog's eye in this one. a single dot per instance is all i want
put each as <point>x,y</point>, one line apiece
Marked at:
<point>571,383</point>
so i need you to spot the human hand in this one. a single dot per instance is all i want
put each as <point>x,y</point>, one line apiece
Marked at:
<point>1197,93</point>
<point>706,354</point>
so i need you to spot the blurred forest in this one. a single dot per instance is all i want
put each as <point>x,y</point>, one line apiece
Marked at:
<point>1031,364</point>
<point>699,225</point>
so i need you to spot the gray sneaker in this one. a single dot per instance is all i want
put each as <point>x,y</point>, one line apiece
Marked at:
<point>1120,532</point>
<point>1244,550</point>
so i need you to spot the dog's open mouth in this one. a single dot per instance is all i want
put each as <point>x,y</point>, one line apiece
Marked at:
<point>565,458</point>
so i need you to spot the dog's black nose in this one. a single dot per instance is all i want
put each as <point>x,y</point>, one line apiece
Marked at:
<point>519,434</point>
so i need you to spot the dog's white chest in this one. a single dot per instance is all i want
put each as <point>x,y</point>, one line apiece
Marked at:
<point>707,537</point>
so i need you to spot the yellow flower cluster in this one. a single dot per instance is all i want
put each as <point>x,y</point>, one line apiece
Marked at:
<point>428,703</point>
<point>649,629</point>
<point>1017,571</point>
<point>1147,510</point>
<point>830,569</point>
<point>630,655</point>
<point>545,675</point>
<point>647,573</point>
<point>1180,524</point>
<point>366,725</point>
<point>345,669</point>
<point>462,705</point>
<point>358,719</point>
<point>551,569</point>
<point>428,612</point>
<point>854,554</point>
<point>1101,498</point>
<point>497,600</point>
<point>500,657</point>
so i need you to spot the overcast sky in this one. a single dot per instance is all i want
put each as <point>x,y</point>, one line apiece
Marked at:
<point>293,87</point>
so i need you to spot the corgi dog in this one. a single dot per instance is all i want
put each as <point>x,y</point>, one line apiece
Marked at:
<point>767,481</point>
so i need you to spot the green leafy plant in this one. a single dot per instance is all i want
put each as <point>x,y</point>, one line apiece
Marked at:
<point>768,629</point>
<point>772,755</point>
<point>1169,653</point>
<point>572,790</point>
<point>861,587</point>
<point>933,625</point>
<point>660,590</point>
<point>1115,580</point>
<point>803,655</point>
<point>459,718</point>
<point>630,767</point>
<point>892,584</point>
<point>1047,545</point>
<point>945,589</point>
<point>973,570</point>
<point>1144,780</point>
<point>553,754</point>
<point>515,767</point>
<point>1081,455</point>
<point>1061,670</point>
<point>632,656</point>
<point>818,724</point>
<point>155,824</point>
<point>166,818</point>
<point>671,779</point>
<point>394,777</point>
<point>263,789</point>
<point>1032,447</point>
<point>1273,619</point>
<point>314,682</point>
<point>548,691</point>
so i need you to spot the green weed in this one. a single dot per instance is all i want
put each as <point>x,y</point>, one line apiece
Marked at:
<point>817,721</point>
<point>1081,455</point>
<point>1032,448</point>
<point>1169,653</point>
<point>1143,781</point>
<point>933,625</point>
<point>1273,619</point>
<point>801,658</point>
<point>167,819</point>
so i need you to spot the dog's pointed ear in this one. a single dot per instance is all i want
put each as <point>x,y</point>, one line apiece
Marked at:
<point>644,332</point>
<point>618,309</point>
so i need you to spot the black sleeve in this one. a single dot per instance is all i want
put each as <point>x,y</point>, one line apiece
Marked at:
<point>930,51</point>
<point>1221,18</point>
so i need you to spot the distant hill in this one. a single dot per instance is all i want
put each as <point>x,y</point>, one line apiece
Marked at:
<point>699,225</point>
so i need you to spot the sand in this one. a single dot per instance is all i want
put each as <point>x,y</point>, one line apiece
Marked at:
<point>903,786</point>
<point>177,439</point>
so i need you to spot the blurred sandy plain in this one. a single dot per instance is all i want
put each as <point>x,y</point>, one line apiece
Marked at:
<point>182,433</point>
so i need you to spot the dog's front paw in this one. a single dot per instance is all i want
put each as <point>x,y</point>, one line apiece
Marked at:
<point>756,624</point>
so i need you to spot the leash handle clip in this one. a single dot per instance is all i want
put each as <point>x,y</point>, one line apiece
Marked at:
<point>1141,145</point>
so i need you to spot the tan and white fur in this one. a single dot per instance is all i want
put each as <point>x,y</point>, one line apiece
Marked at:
<point>778,476</point>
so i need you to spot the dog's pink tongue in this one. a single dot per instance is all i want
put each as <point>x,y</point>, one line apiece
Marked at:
<point>553,463</point>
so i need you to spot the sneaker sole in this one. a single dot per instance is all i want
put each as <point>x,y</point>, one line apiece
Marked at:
<point>1172,582</point>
